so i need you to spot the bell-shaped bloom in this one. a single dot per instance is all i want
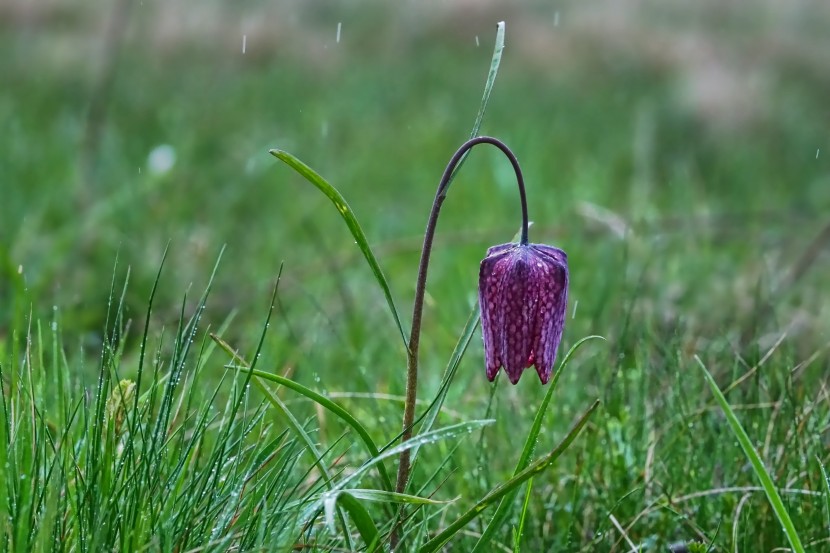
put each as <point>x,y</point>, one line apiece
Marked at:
<point>523,294</point>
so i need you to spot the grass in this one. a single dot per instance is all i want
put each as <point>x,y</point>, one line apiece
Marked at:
<point>688,227</point>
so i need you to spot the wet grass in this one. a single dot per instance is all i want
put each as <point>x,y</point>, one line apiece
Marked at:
<point>688,234</point>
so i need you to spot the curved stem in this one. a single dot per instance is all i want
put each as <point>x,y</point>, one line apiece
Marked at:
<point>420,288</point>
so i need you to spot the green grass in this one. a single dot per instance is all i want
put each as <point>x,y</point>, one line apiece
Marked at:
<point>684,224</point>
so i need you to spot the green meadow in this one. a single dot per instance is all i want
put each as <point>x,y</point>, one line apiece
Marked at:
<point>152,252</point>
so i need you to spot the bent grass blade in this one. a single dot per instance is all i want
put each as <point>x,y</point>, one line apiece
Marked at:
<point>422,439</point>
<point>503,509</point>
<point>509,486</point>
<point>351,221</point>
<point>757,464</point>
<point>320,399</point>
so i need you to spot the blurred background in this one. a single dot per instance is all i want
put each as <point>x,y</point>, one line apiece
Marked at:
<point>130,124</point>
<point>678,151</point>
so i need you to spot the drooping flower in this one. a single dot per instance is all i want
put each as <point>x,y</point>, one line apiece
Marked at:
<point>523,294</point>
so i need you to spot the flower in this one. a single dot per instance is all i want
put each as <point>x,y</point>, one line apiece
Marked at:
<point>523,294</point>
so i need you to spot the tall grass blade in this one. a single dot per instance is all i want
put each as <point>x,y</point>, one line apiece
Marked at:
<point>757,464</point>
<point>306,440</point>
<point>351,221</point>
<point>422,439</point>
<point>826,488</point>
<point>503,510</point>
<point>491,77</point>
<point>485,98</point>
<point>392,497</point>
<point>349,500</point>
<point>517,539</point>
<point>323,401</point>
<point>509,486</point>
<point>293,423</point>
<point>360,516</point>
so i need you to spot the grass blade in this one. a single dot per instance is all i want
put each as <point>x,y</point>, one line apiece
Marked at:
<point>826,488</point>
<point>349,500</point>
<point>517,539</point>
<point>757,464</point>
<point>320,399</point>
<point>359,515</point>
<point>430,437</point>
<point>306,440</point>
<point>485,98</point>
<point>491,77</point>
<point>503,510</point>
<point>509,486</point>
<point>351,221</point>
<point>380,496</point>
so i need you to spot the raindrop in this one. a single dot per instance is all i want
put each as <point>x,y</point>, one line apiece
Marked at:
<point>339,24</point>
<point>556,18</point>
<point>244,42</point>
<point>817,151</point>
<point>477,43</point>
<point>576,304</point>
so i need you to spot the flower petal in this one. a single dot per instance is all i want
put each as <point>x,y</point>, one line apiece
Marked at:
<point>516,338</point>
<point>551,279</point>
<point>489,290</point>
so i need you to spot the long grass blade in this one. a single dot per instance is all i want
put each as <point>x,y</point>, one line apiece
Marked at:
<point>509,486</point>
<point>382,496</point>
<point>517,539</point>
<point>323,401</point>
<point>485,98</point>
<point>351,221</point>
<point>349,499</point>
<point>422,439</point>
<point>491,77</point>
<point>826,488</point>
<point>503,510</point>
<point>306,440</point>
<point>757,464</point>
<point>360,516</point>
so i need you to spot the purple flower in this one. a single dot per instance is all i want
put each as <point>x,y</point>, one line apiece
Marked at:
<point>523,293</point>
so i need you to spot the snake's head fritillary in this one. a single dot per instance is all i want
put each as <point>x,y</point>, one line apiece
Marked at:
<point>523,294</point>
